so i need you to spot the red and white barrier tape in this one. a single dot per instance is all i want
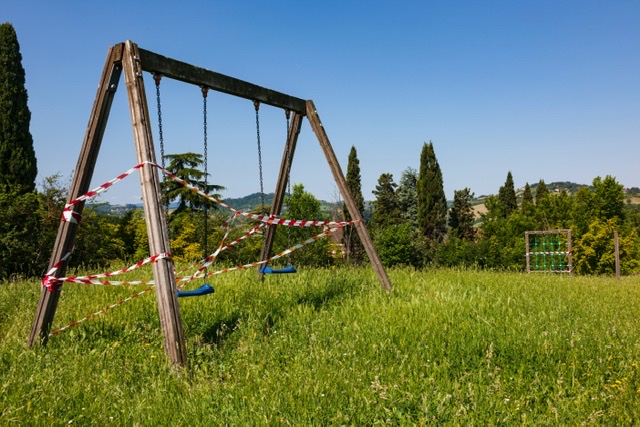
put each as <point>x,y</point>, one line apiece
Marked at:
<point>69,215</point>
<point>90,280</point>
<point>97,313</point>
<point>51,282</point>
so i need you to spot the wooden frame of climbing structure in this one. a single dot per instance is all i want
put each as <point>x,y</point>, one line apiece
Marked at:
<point>131,59</point>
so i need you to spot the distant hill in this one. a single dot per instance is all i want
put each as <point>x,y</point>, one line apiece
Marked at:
<point>569,187</point>
<point>249,202</point>
<point>253,201</point>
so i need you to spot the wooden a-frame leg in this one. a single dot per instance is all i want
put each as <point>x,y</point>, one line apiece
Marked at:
<point>323,139</point>
<point>281,185</point>
<point>80,185</point>
<point>163,271</point>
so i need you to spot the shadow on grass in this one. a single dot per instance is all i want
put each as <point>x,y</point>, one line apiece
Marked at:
<point>221,330</point>
<point>272,312</point>
<point>319,298</point>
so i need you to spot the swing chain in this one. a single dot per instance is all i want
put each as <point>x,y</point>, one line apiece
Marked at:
<point>287,114</point>
<point>256,104</point>
<point>157,77</point>
<point>205,91</point>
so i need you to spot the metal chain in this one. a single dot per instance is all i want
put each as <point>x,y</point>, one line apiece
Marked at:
<point>157,78</point>
<point>256,104</point>
<point>205,90</point>
<point>288,115</point>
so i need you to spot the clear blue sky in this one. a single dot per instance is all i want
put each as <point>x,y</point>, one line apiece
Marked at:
<point>544,89</point>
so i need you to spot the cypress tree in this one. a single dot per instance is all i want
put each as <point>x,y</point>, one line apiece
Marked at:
<point>527,196</point>
<point>527,200</point>
<point>432,203</point>
<point>18,168</point>
<point>542,191</point>
<point>353,247</point>
<point>461,215</point>
<point>354,182</point>
<point>507,196</point>
<point>386,211</point>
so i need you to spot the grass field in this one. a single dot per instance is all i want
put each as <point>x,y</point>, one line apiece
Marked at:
<point>328,347</point>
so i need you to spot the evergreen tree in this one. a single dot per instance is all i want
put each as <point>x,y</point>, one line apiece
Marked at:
<point>432,203</point>
<point>18,165</point>
<point>507,196</point>
<point>527,195</point>
<point>185,166</point>
<point>527,207</point>
<point>353,247</point>
<point>407,196</point>
<point>354,182</point>
<point>461,215</point>
<point>386,211</point>
<point>542,192</point>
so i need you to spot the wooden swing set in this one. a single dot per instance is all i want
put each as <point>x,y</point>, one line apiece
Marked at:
<point>127,57</point>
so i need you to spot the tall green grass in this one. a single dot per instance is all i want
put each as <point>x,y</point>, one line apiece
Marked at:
<point>329,347</point>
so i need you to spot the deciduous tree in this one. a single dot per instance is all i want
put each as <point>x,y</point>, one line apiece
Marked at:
<point>304,205</point>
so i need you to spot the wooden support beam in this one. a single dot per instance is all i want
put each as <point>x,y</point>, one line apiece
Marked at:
<point>168,308</point>
<point>616,251</point>
<point>334,165</point>
<point>281,185</point>
<point>80,185</point>
<point>154,63</point>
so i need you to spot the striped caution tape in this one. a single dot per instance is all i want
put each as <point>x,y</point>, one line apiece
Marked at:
<point>200,274</point>
<point>99,312</point>
<point>91,279</point>
<point>69,215</point>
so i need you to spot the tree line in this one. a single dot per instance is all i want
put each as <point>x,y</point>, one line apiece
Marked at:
<point>411,222</point>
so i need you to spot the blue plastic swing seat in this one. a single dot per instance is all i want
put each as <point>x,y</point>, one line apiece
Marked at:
<point>202,290</point>
<point>268,270</point>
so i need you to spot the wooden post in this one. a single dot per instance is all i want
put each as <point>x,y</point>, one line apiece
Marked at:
<point>168,308</point>
<point>318,129</point>
<point>80,185</point>
<point>616,245</point>
<point>570,251</point>
<point>281,185</point>
<point>527,253</point>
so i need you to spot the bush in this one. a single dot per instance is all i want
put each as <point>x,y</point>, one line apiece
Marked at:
<point>396,246</point>
<point>22,253</point>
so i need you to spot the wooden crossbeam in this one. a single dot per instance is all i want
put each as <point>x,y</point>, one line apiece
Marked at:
<point>154,63</point>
